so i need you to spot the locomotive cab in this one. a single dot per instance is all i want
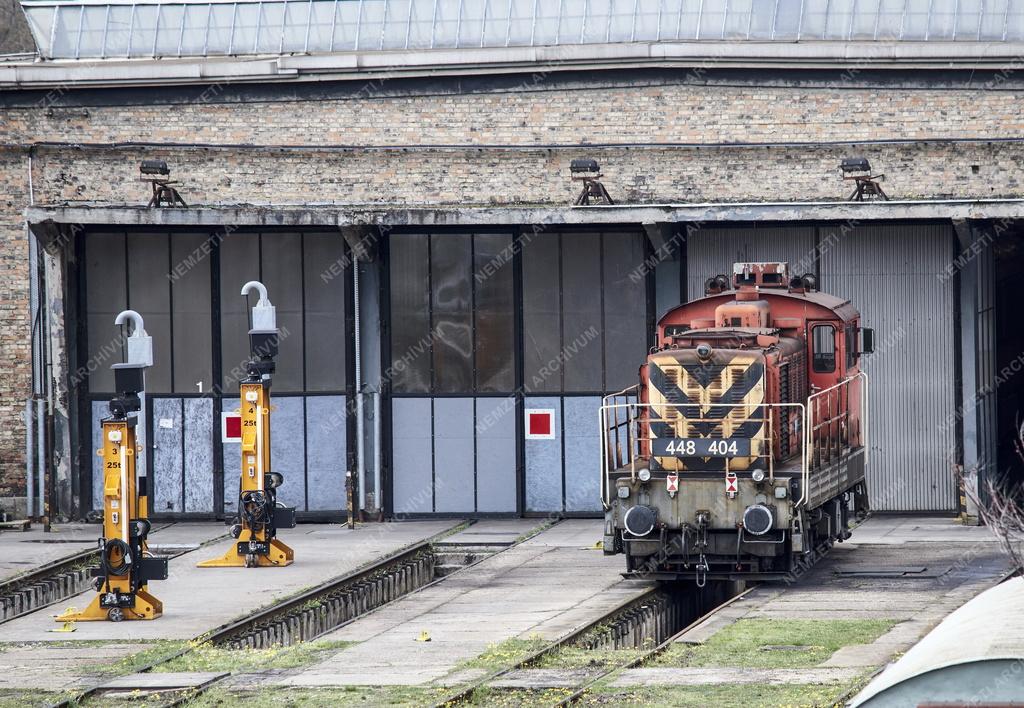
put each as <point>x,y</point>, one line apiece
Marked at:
<point>741,451</point>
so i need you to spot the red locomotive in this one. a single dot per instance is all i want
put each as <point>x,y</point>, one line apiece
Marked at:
<point>741,453</point>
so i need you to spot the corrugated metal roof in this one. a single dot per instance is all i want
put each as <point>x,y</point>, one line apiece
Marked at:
<point>76,29</point>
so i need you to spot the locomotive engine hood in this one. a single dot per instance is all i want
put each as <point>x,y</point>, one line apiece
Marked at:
<point>702,397</point>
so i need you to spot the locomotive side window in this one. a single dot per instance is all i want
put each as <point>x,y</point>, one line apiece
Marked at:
<point>851,346</point>
<point>824,340</point>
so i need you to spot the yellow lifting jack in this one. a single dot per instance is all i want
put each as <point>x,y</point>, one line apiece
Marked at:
<point>259,514</point>
<point>126,566</point>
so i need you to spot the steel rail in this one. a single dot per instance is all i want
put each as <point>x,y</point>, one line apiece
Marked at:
<point>188,695</point>
<point>47,573</point>
<point>650,654</point>
<point>226,633</point>
<point>466,693</point>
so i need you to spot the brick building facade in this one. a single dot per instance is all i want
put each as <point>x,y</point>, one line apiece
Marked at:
<point>502,136</point>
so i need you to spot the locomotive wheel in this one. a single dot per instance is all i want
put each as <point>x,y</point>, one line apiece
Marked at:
<point>115,614</point>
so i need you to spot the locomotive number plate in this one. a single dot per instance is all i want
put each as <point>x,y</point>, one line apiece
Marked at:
<point>701,447</point>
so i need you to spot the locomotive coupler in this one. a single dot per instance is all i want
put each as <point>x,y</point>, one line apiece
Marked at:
<point>703,521</point>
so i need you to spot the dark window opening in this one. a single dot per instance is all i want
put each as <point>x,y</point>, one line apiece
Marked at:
<point>452,313</point>
<point>824,344</point>
<point>851,346</point>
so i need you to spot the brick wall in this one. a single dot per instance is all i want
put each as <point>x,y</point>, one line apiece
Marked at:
<point>15,342</point>
<point>539,113</point>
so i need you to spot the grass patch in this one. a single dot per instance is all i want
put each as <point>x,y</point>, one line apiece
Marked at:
<point>579,658</point>
<point>20,699</point>
<point>750,642</point>
<point>504,654</point>
<point>290,697</point>
<point>721,696</point>
<point>207,657</point>
<point>158,651</point>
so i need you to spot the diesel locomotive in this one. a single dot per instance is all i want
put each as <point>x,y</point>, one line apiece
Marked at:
<point>741,452</point>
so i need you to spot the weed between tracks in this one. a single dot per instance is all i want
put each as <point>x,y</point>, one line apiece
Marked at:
<point>211,658</point>
<point>774,643</point>
<point>720,696</point>
<point>504,654</point>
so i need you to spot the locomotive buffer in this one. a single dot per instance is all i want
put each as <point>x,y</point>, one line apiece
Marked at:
<point>125,564</point>
<point>260,516</point>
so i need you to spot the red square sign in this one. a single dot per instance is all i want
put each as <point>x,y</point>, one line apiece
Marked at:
<point>540,424</point>
<point>231,427</point>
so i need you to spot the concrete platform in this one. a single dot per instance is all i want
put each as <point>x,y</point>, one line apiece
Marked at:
<point>200,599</point>
<point>545,587</point>
<point>24,551</point>
<point>950,564</point>
<point>58,666</point>
<point>492,532</point>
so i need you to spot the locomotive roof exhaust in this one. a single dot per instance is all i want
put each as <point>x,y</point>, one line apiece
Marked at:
<point>751,276</point>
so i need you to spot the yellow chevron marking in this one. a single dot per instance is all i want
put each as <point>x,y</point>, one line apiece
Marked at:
<point>706,398</point>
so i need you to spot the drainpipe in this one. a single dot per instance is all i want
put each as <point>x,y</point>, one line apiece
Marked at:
<point>30,472</point>
<point>41,466</point>
<point>377,496</point>
<point>361,466</point>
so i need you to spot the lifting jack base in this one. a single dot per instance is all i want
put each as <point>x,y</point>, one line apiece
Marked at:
<point>145,607</point>
<point>277,555</point>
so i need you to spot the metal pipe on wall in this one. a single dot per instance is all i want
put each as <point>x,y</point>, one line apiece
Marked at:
<point>30,472</point>
<point>41,444</point>
<point>360,443</point>
<point>377,495</point>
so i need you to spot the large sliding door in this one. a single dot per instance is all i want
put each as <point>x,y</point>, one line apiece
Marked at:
<point>187,287</point>
<point>895,276</point>
<point>487,328</point>
<point>452,376</point>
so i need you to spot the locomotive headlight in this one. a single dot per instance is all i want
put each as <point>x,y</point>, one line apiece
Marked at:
<point>757,476</point>
<point>703,351</point>
<point>644,475</point>
<point>757,519</point>
<point>640,520</point>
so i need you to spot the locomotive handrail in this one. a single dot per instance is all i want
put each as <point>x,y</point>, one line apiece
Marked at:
<point>603,427</point>
<point>636,438</point>
<point>811,426</point>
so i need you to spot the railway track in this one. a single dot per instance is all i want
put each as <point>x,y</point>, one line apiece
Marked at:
<point>646,656</point>
<point>320,610</point>
<point>46,585</point>
<point>641,620</point>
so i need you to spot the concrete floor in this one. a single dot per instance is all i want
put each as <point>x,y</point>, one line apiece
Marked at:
<point>946,565</point>
<point>547,586</point>
<point>24,551</point>
<point>199,599</point>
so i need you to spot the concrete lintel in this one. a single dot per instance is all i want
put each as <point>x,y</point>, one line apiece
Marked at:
<point>337,216</point>
<point>31,73</point>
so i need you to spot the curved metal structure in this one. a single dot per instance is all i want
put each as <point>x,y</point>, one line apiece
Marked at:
<point>974,657</point>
